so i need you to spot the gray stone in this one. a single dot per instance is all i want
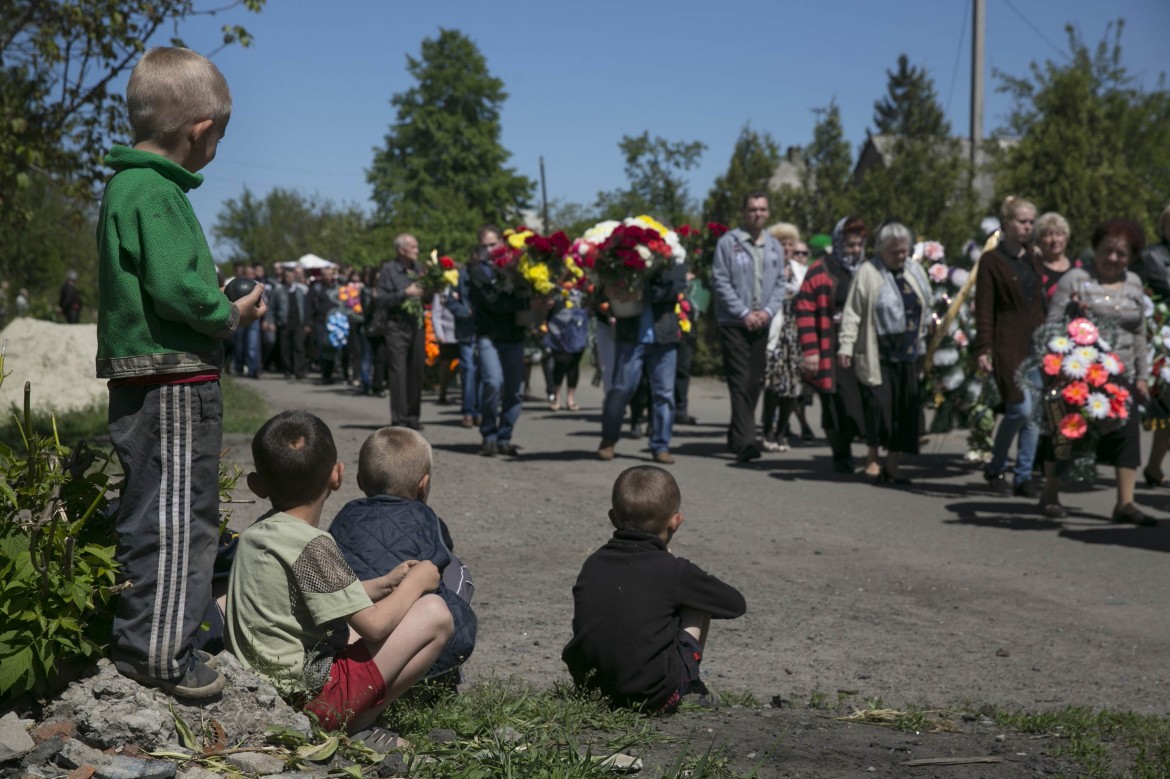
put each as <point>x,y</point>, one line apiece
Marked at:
<point>111,710</point>
<point>256,763</point>
<point>14,738</point>
<point>38,772</point>
<point>44,753</point>
<point>123,767</point>
<point>75,754</point>
<point>198,772</point>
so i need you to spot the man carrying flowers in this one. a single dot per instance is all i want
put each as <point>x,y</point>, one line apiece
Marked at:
<point>405,340</point>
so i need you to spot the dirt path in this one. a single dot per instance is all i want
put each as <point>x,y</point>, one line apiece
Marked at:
<point>932,596</point>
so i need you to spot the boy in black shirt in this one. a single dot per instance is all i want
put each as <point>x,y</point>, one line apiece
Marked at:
<point>641,614</point>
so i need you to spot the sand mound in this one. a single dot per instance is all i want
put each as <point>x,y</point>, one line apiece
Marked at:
<point>57,359</point>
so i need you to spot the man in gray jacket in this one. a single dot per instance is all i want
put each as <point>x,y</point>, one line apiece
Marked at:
<point>749,290</point>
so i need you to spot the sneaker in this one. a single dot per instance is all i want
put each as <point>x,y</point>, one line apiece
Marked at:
<point>769,444</point>
<point>781,444</point>
<point>508,449</point>
<point>489,448</point>
<point>699,694</point>
<point>466,422</point>
<point>1026,489</point>
<point>605,451</point>
<point>997,483</point>
<point>685,419</point>
<point>664,457</point>
<point>1132,515</point>
<point>198,683</point>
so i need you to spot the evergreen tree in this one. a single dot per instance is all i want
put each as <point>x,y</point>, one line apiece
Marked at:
<point>1092,144</point>
<point>910,107</point>
<point>825,194</point>
<point>441,173</point>
<point>753,162</point>
<point>655,184</point>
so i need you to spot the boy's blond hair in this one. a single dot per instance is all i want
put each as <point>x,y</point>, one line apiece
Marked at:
<point>644,498</point>
<point>393,461</point>
<point>171,88</point>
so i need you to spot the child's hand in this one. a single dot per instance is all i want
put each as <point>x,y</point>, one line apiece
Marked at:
<point>398,573</point>
<point>251,306</point>
<point>425,575</point>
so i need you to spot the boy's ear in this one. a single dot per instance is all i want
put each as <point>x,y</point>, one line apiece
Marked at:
<point>675,521</point>
<point>336,477</point>
<point>257,486</point>
<point>613,519</point>
<point>200,128</point>
<point>359,481</point>
<point>424,488</point>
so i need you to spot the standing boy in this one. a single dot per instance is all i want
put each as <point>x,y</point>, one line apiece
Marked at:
<point>297,613</point>
<point>161,325</point>
<point>640,614</point>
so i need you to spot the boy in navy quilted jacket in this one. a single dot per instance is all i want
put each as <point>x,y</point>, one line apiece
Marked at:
<point>393,523</point>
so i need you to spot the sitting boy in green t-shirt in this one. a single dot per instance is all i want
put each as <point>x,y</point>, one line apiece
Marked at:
<point>297,613</point>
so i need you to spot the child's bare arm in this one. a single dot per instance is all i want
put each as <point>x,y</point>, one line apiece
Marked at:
<point>377,622</point>
<point>382,586</point>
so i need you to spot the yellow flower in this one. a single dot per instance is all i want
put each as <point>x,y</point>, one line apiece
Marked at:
<point>652,222</point>
<point>451,277</point>
<point>516,240</point>
<point>685,325</point>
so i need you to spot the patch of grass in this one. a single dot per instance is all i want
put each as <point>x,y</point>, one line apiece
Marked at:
<point>1104,743</point>
<point>509,728</point>
<point>244,411</point>
<point>738,698</point>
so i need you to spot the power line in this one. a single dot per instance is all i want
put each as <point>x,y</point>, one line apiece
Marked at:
<point>1039,33</point>
<point>958,53</point>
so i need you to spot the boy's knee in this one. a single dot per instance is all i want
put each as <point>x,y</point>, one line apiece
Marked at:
<point>437,614</point>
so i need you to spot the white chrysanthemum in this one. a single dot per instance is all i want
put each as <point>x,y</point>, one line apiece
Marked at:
<point>599,232</point>
<point>642,251</point>
<point>1111,364</point>
<point>959,277</point>
<point>1074,367</point>
<point>1103,345</point>
<point>1165,373</point>
<point>946,357</point>
<point>1147,306</point>
<point>1061,344</point>
<point>974,389</point>
<point>988,225</point>
<point>1087,353</point>
<point>676,248</point>
<point>1097,406</point>
<point>1165,333</point>
<point>953,380</point>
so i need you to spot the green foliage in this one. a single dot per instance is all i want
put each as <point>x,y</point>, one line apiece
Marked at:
<point>441,173</point>
<point>285,225</point>
<point>753,162</point>
<point>1092,144</point>
<point>824,195</point>
<point>655,184</point>
<point>910,106</point>
<point>1104,743</point>
<point>56,559</point>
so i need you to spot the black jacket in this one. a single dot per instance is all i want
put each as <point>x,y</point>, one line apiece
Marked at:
<point>661,293</point>
<point>495,308</point>
<point>626,607</point>
<point>393,280</point>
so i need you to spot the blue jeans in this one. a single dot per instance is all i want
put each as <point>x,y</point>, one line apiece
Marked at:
<point>366,362</point>
<point>469,378</point>
<point>628,360</point>
<point>247,349</point>
<point>1017,419</point>
<point>501,388</point>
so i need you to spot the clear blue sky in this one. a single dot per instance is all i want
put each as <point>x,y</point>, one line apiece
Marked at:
<point>312,92</point>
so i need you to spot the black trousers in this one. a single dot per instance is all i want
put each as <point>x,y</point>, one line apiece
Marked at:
<point>378,360</point>
<point>565,365</point>
<point>405,358</point>
<point>682,373</point>
<point>292,350</point>
<point>745,357</point>
<point>168,439</point>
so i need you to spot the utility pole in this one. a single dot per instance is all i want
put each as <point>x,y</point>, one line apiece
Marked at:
<point>977,43</point>
<point>544,226</point>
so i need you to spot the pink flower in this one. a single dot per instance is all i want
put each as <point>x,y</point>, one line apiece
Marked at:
<point>1082,331</point>
<point>938,273</point>
<point>1073,426</point>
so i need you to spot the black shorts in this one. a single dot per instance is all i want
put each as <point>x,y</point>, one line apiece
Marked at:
<point>692,655</point>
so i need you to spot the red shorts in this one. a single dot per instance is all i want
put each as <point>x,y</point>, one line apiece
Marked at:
<point>355,685</point>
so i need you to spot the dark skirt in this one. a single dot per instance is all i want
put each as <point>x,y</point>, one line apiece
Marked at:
<point>1121,448</point>
<point>893,408</point>
<point>841,411</point>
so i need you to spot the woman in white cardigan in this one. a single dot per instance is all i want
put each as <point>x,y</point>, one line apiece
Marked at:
<point>883,333</point>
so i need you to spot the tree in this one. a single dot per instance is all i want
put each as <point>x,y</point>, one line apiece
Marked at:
<point>441,173</point>
<point>825,192</point>
<point>753,162</point>
<point>910,106</point>
<point>655,184</point>
<point>285,225</point>
<point>1091,143</point>
<point>922,180</point>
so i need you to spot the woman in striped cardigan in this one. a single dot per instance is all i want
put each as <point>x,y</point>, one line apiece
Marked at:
<point>818,320</point>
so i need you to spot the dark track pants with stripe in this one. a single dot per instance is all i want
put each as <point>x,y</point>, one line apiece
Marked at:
<point>168,439</point>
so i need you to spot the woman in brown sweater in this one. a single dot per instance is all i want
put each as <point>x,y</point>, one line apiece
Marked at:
<point>1009,306</point>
